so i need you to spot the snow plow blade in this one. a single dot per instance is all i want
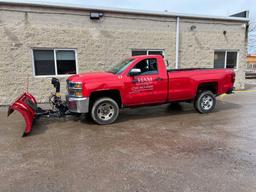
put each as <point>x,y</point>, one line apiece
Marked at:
<point>26,105</point>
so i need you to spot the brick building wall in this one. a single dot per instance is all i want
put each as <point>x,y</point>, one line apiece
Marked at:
<point>101,44</point>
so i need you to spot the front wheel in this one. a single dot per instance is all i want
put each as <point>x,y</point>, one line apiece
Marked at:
<point>205,102</point>
<point>104,111</point>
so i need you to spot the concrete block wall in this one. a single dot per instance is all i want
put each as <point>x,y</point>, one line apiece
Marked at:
<point>197,46</point>
<point>101,44</point>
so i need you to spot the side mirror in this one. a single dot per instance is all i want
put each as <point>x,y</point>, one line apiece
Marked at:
<point>135,72</point>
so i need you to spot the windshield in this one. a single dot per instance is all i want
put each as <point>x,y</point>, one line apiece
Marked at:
<point>119,68</point>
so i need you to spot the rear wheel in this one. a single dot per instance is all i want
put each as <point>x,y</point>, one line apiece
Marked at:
<point>104,111</point>
<point>205,102</point>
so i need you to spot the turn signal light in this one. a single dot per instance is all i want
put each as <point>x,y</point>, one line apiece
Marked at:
<point>78,94</point>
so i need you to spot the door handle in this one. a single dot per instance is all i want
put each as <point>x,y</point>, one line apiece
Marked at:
<point>159,79</point>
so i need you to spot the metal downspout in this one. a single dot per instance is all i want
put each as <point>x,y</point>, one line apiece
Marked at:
<point>177,42</point>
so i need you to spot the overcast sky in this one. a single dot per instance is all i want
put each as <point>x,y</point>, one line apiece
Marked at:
<point>205,7</point>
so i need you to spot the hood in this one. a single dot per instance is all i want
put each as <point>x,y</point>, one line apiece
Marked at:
<point>85,77</point>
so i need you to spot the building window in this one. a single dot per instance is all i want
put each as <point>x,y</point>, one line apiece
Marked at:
<point>54,62</point>
<point>147,52</point>
<point>225,59</point>
<point>138,52</point>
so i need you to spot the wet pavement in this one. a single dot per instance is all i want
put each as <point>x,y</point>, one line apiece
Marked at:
<point>160,148</point>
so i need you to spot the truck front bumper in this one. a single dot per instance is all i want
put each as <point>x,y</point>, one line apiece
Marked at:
<point>78,104</point>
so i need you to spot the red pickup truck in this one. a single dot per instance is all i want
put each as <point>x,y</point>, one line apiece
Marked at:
<point>145,80</point>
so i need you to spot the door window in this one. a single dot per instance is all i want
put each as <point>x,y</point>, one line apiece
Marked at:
<point>147,66</point>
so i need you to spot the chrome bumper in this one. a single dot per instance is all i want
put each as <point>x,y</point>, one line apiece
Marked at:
<point>78,105</point>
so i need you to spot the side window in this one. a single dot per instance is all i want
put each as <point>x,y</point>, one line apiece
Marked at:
<point>147,66</point>
<point>219,59</point>
<point>54,62</point>
<point>137,52</point>
<point>231,60</point>
<point>44,62</point>
<point>66,62</point>
<point>156,53</point>
<point>225,59</point>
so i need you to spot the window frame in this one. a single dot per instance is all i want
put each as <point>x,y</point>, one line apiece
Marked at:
<point>148,50</point>
<point>55,61</point>
<point>226,53</point>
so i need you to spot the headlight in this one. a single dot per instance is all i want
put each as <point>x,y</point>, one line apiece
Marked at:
<point>75,89</point>
<point>78,85</point>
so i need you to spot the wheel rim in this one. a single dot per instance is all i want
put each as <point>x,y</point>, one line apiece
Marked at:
<point>105,111</point>
<point>206,102</point>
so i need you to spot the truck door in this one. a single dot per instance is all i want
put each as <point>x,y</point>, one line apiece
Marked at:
<point>150,86</point>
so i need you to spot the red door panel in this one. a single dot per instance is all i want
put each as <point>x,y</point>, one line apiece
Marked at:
<point>147,88</point>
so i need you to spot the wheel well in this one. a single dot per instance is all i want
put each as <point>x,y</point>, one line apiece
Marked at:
<point>113,94</point>
<point>213,87</point>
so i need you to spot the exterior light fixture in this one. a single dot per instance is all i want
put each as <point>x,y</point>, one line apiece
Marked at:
<point>96,15</point>
<point>244,26</point>
<point>193,28</point>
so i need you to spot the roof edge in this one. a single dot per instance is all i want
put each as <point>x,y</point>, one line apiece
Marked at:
<point>122,10</point>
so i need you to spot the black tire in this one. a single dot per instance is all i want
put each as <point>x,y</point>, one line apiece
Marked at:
<point>205,102</point>
<point>104,111</point>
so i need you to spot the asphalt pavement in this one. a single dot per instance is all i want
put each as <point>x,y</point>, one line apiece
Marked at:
<point>160,148</point>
